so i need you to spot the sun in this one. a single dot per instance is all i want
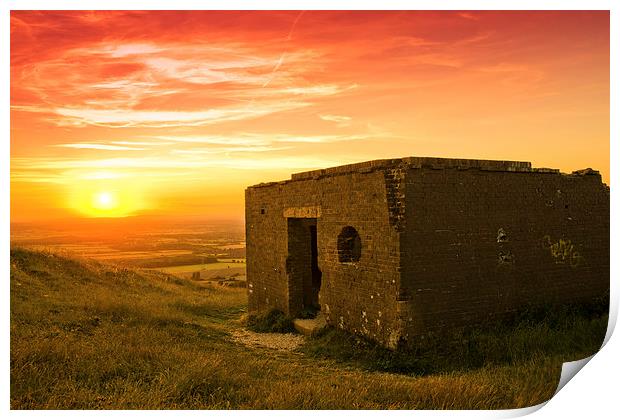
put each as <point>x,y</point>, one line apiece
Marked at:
<point>105,200</point>
<point>109,196</point>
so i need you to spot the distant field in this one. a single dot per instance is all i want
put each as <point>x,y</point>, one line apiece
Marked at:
<point>171,261</point>
<point>222,268</point>
<point>232,246</point>
<point>116,255</point>
<point>202,267</point>
<point>101,252</point>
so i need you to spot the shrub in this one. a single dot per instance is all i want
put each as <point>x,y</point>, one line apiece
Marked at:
<point>271,321</point>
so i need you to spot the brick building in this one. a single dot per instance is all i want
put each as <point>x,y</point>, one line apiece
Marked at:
<point>392,249</point>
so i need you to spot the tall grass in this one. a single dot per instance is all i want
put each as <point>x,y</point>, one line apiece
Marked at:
<point>561,331</point>
<point>87,335</point>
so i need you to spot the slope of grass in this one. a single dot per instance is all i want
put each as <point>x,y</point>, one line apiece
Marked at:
<point>87,335</point>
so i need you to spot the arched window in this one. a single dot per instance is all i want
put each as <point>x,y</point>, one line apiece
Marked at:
<point>349,245</point>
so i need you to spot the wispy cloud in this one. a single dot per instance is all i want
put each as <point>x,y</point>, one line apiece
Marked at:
<point>469,16</point>
<point>181,161</point>
<point>170,154</point>
<point>96,146</point>
<point>263,139</point>
<point>209,72</point>
<point>158,119</point>
<point>316,90</point>
<point>231,149</point>
<point>124,50</point>
<point>142,143</point>
<point>241,139</point>
<point>129,83</point>
<point>332,138</point>
<point>340,120</point>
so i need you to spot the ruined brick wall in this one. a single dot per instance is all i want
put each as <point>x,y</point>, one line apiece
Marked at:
<point>358,296</point>
<point>481,243</point>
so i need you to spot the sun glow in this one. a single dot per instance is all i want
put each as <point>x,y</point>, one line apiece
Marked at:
<point>106,197</point>
<point>104,200</point>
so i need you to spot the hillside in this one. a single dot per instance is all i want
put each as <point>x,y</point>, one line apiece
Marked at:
<point>88,335</point>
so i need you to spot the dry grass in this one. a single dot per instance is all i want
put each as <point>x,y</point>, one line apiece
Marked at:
<point>84,335</point>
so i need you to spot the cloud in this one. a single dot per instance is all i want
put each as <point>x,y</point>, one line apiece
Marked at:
<point>264,139</point>
<point>286,138</point>
<point>340,120</point>
<point>123,118</point>
<point>210,71</point>
<point>469,16</point>
<point>230,149</point>
<point>96,146</point>
<point>142,143</point>
<point>174,154</point>
<point>103,79</point>
<point>124,50</point>
<point>136,166</point>
<point>144,84</point>
<point>232,139</point>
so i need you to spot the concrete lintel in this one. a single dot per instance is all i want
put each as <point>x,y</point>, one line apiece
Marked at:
<point>303,212</point>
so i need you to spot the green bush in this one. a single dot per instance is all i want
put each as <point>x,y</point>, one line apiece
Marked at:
<point>272,321</point>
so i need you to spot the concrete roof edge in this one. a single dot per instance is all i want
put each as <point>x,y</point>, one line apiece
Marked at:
<point>422,162</point>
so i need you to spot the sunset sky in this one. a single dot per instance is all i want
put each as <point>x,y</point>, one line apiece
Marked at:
<point>175,113</point>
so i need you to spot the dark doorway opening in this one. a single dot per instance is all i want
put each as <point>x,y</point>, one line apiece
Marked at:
<point>304,275</point>
<point>316,273</point>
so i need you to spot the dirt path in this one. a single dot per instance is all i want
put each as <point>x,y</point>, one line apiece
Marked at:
<point>275,341</point>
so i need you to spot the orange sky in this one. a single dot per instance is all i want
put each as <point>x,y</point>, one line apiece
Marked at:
<point>175,113</point>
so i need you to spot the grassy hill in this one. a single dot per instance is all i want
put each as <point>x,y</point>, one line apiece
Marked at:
<point>87,335</point>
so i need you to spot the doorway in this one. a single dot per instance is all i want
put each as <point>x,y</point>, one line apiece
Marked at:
<point>304,275</point>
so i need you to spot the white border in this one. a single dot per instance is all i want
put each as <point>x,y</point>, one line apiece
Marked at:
<point>591,394</point>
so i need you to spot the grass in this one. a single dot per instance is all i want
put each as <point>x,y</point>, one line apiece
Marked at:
<point>562,332</point>
<point>86,335</point>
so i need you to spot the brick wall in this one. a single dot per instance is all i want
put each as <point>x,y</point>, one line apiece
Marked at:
<point>482,243</point>
<point>358,296</point>
<point>445,242</point>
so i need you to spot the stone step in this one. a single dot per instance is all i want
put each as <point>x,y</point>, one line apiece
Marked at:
<point>309,326</point>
